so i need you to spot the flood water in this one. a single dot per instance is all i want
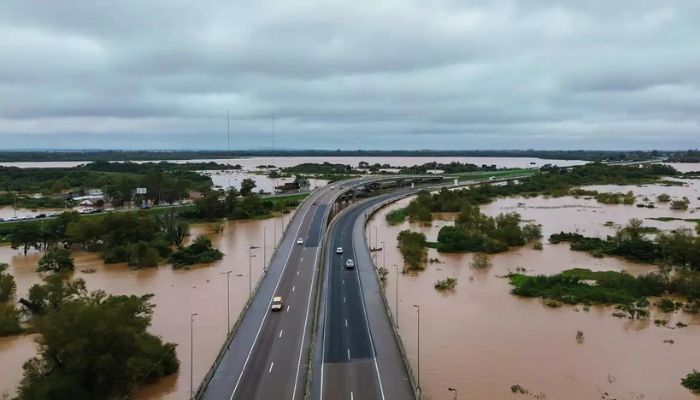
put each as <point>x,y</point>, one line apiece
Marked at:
<point>251,163</point>
<point>482,340</point>
<point>178,293</point>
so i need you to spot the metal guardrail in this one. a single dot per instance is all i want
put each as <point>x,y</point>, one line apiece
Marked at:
<point>390,315</point>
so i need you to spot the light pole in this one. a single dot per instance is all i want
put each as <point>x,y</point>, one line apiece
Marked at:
<point>264,247</point>
<point>396,268</point>
<point>453,390</point>
<point>250,269</point>
<point>383,255</point>
<point>418,308</point>
<point>228,302</point>
<point>192,354</point>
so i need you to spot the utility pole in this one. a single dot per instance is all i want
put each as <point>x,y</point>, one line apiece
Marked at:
<point>192,355</point>
<point>228,302</point>
<point>418,308</point>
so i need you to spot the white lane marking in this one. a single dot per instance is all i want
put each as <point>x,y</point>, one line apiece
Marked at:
<point>369,332</point>
<point>343,299</point>
<point>301,259</point>
<point>255,340</point>
<point>281,330</point>
<point>297,272</point>
<point>293,287</point>
<point>306,320</point>
<point>351,396</point>
<point>346,322</point>
<point>348,354</point>
<point>271,365</point>
<point>343,281</point>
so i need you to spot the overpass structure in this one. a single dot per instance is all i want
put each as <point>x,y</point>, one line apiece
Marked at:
<point>266,355</point>
<point>334,337</point>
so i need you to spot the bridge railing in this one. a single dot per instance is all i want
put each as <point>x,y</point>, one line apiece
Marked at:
<point>390,314</point>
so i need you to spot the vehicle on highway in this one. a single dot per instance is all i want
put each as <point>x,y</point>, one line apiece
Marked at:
<point>276,303</point>
<point>350,263</point>
<point>339,250</point>
<point>300,241</point>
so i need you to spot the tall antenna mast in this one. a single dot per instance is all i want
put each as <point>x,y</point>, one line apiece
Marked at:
<point>228,145</point>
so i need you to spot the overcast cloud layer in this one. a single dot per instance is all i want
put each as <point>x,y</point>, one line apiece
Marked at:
<point>354,74</point>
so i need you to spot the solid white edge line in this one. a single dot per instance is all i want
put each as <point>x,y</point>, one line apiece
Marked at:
<point>267,311</point>
<point>271,365</point>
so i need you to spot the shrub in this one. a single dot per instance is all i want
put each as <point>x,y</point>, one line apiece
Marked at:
<point>56,260</point>
<point>692,381</point>
<point>481,261</point>
<point>413,248</point>
<point>200,251</point>
<point>446,284</point>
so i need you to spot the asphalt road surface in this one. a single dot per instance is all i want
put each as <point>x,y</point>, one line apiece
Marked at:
<point>267,357</point>
<point>360,358</point>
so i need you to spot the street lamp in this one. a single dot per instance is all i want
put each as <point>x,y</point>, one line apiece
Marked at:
<point>383,255</point>
<point>396,268</point>
<point>228,302</point>
<point>192,355</point>
<point>418,308</point>
<point>250,269</point>
<point>453,390</point>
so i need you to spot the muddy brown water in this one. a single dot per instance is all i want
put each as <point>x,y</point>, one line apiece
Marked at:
<point>482,340</point>
<point>178,293</point>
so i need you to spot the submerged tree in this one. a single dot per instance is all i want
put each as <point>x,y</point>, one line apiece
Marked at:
<point>92,346</point>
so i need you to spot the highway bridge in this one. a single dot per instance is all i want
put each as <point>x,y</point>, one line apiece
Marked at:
<point>333,338</point>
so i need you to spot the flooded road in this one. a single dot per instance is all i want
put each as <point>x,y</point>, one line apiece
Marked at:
<point>483,340</point>
<point>178,293</point>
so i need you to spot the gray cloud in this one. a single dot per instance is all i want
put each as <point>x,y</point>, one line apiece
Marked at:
<point>338,74</point>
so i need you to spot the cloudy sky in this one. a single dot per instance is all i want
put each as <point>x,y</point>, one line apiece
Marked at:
<point>372,74</point>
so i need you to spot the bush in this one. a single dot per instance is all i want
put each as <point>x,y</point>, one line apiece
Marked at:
<point>56,260</point>
<point>692,381</point>
<point>9,320</point>
<point>200,251</point>
<point>7,284</point>
<point>446,284</point>
<point>481,261</point>
<point>680,204</point>
<point>396,217</point>
<point>413,248</point>
<point>663,198</point>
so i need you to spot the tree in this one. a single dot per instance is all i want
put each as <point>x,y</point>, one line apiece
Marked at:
<point>26,236</point>
<point>50,295</point>
<point>174,228</point>
<point>247,186</point>
<point>9,319</point>
<point>56,260</point>
<point>95,346</point>
<point>85,231</point>
<point>7,284</point>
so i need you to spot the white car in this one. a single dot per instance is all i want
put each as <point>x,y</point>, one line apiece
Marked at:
<point>300,241</point>
<point>276,303</point>
<point>339,250</point>
<point>350,263</point>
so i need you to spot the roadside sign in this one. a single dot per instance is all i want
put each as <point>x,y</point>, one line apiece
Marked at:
<point>140,190</point>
